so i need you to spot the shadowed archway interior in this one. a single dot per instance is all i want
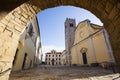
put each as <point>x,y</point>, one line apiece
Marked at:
<point>14,18</point>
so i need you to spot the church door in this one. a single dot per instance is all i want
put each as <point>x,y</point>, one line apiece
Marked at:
<point>84,58</point>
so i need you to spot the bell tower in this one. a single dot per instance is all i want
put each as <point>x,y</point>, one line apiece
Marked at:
<point>70,26</point>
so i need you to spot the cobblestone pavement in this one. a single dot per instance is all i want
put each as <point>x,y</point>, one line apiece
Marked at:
<point>65,73</point>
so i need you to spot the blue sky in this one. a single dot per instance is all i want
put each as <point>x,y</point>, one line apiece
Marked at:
<point>51,22</point>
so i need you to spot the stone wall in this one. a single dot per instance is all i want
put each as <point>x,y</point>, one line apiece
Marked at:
<point>10,29</point>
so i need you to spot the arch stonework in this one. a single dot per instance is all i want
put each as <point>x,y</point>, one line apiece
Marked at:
<point>108,11</point>
<point>10,28</point>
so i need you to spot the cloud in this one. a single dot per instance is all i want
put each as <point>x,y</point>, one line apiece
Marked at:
<point>51,47</point>
<point>48,48</point>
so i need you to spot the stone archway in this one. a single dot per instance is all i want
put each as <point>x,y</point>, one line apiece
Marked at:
<point>10,28</point>
<point>108,11</point>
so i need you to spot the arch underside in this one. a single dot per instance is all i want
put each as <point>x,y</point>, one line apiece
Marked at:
<point>108,11</point>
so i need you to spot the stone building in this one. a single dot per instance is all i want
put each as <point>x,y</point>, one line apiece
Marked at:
<point>53,58</point>
<point>91,44</point>
<point>70,26</point>
<point>63,58</point>
<point>28,53</point>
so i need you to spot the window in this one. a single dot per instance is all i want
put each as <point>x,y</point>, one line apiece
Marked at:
<point>71,25</point>
<point>30,31</point>
<point>15,57</point>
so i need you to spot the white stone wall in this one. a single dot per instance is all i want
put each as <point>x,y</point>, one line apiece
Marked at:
<point>53,55</point>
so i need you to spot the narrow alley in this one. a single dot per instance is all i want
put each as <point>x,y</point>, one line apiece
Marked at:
<point>45,72</point>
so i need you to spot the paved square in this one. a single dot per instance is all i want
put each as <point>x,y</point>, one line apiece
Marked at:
<point>65,73</point>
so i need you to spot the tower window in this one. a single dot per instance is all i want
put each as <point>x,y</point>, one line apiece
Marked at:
<point>71,25</point>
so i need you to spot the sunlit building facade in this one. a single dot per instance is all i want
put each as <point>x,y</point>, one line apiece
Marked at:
<point>53,58</point>
<point>28,54</point>
<point>91,45</point>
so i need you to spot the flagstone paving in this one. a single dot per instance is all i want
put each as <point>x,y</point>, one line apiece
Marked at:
<point>65,73</point>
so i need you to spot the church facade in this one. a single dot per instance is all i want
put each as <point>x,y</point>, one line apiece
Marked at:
<point>91,45</point>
